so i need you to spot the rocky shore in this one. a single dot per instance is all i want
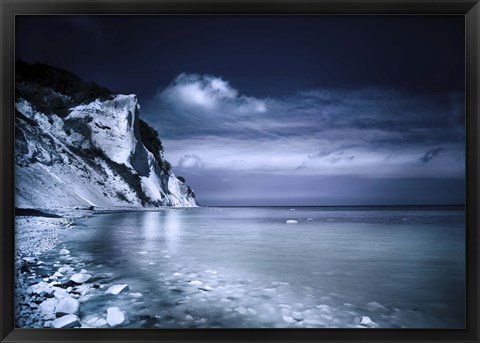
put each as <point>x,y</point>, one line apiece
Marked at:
<point>52,295</point>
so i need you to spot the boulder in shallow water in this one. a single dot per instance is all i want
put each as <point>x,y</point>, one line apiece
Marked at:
<point>65,269</point>
<point>117,289</point>
<point>68,321</point>
<point>80,278</point>
<point>67,305</point>
<point>116,317</point>
<point>196,283</point>
<point>375,306</point>
<point>95,322</point>
<point>48,306</point>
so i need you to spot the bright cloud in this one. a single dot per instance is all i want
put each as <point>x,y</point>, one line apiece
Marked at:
<point>210,95</point>
<point>190,161</point>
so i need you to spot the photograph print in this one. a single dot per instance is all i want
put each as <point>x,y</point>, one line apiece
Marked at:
<point>240,171</point>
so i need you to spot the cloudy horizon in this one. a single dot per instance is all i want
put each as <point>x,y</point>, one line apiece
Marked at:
<point>351,140</point>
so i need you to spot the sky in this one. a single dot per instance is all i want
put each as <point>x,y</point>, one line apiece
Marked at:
<point>283,110</point>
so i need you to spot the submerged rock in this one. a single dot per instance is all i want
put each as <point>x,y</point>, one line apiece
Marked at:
<point>365,320</point>
<point>80,278</point>
<point>65,269</point>
<point>206,288</point>
<point>196,283</point>
<point>375,306</point>
<point>95,322</point>
<point>117,289</point>
<point>67,305</point>
<point>68,321</point>
<point>241,310</point>
<point>116,317</point>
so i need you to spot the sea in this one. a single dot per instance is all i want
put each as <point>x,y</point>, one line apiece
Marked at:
<point>275,267</point>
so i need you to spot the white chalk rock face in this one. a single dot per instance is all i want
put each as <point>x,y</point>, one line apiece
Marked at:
<point>68,321</point>
<point>67,305</point>
<point>117,289</point>
<point>93,157</point>
<point>116,317</point>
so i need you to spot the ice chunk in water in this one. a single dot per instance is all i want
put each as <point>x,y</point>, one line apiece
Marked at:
<point>291,221</point>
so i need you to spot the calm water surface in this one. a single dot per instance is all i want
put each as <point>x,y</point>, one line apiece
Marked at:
<point>246,267</point>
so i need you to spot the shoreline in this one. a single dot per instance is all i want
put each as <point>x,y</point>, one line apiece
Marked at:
<point>51,295</point>
<point>38,231</point>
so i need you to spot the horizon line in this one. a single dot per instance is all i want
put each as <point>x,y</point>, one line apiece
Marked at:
<point>292,206</point>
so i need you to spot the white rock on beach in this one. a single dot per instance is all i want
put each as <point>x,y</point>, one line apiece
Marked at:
<point>58,274</point>
<point>116,317</point>
<point>65,269</point>
<point>48,306</point>
<point>41,287</point>
<point>291,221</point>
<point>117,289</point>
<point>60,293</point>
<point>80,277</point>
<point>67,305</point>
<point>68,321</point>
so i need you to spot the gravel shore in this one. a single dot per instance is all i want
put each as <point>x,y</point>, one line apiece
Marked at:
<point>35,290</point>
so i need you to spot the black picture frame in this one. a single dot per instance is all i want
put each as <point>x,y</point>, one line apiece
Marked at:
<point>10,8</point>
